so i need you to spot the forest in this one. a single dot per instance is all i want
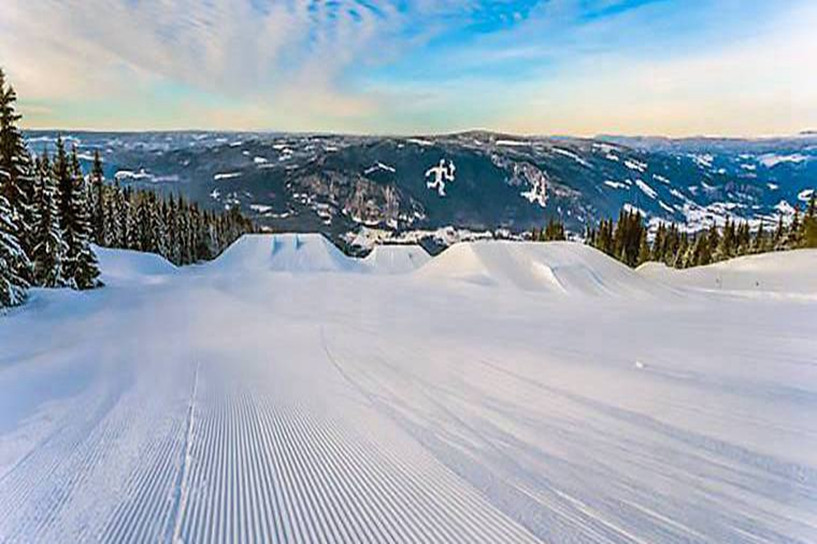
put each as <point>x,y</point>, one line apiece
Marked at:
<point>51,214</point>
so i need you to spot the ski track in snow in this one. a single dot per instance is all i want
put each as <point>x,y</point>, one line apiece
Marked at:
<point>245,403</point>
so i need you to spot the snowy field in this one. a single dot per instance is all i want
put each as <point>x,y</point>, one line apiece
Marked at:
<point>500,392</point>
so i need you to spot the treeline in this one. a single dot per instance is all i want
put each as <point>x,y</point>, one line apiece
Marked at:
<point>50,214</point>
<point>554,231</point>
<point>169,226</point>
<point>627,239</point>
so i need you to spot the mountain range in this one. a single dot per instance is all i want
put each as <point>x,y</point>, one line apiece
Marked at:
<point>411,187</point>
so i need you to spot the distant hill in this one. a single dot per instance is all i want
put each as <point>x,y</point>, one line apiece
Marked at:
<point>475,180</point>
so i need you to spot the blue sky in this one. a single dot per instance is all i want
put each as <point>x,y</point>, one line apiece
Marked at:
<point>584,67</point>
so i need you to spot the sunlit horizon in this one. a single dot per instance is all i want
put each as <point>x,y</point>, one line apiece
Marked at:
<point>605,67</point>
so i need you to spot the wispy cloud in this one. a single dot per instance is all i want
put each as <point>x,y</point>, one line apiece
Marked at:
<point>407,65</point>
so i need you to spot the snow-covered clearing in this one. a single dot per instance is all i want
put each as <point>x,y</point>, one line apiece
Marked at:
<point>772,159</point>
<point>513,143</point>
<point>616,184</point>
<point>501,392</point>
<point>646,189</point>
<point>379,166</point>
<point>226,175</point>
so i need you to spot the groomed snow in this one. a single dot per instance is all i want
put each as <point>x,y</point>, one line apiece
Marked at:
<point>126,266</point>
<point>500,393</point>
<point>790,273</point>
<point>396,259</point>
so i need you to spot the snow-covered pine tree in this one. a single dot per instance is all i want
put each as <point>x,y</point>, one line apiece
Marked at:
<point>759,241</point>
<point>779,234</point>
<point>185,232</point>
<point>83,272</point>
<point>63,177</point>
<point>97,200</point>
<point>110,224</point>
<point>174,240</point>
<point>643,248</point>
<point>133,221</point>
<point>793,239</point>
<point>809,237</point>
<point>49,247</point>
<point>158,233</point>
<point>144,228</point>
<point>120,220</point>
<point>61,173</point>
<point>204,250</point>
<point>17,186</point>
<point>12,257</point>
<point>679,259</point>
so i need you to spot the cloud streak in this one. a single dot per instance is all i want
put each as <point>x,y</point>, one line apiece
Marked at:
<point>408,66</point>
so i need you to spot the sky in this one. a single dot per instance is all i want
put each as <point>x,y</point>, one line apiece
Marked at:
<point>577,67</point>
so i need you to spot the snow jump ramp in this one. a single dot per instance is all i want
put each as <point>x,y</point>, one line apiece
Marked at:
<point>286,253</point>
<point>304,253</point>
<point>556,267</point>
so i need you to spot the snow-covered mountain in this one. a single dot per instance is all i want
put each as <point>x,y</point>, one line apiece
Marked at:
<point>473,180</point>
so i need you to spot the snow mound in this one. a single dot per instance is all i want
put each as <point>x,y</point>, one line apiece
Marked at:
<point>785,272</point>
<point>556,267</point>
<point>396,259</point>
<point>285,253</point>
<point>128,266</point>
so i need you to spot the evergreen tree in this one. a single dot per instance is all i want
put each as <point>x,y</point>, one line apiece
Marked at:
<point>119,221</point>
<point>81,271</point>
<point>49,249</point>
<point>759,243</point>
<point>158,233</point>
<point>793,238</point>
<point>679,259</point>
<point>97,200</point>
<point>109,220</point>
<point>724,249</point>
<point>702,249</point>
<point>809,237</point>
<point>554,231</point>
<point>12,257</point>
<point>63,176</point>
<point>779,234</point>
<point>659,245</point>
<point>171,218</point>
<point>713,239</point>
<point>133,234</point>
<point>17,185</point>
<point>744,238</point>
<point>643,249</point>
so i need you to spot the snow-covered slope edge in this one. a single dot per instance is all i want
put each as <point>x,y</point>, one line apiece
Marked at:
<point>127,266</point>
<point>791,273</point>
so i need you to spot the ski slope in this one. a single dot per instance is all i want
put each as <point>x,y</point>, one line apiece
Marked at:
<point>288,393</point>
<point>793,273</point>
